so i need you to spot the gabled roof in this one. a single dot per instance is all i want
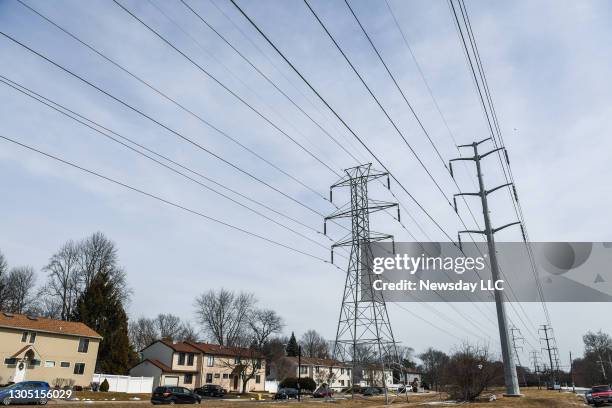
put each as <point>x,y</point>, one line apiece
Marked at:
<point>180,346</point>
<point>323,362</point>
<point>42,324</point>
<point>218,350</point>
<point>163,367</point>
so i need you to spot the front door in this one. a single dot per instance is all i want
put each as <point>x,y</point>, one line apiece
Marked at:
<point>235,382</point>
<point>20,371</point>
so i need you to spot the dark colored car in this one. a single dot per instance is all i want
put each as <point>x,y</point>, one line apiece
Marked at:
<point>174,395</point>
<point>601,395</point>
<point>210,390</point>
<point>370,391</point>
<point>588,396</point>
<point>322,392</point>
<point>286,393</point>
<point>26,392</point>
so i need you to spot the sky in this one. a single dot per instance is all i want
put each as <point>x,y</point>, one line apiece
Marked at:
<point>547,65</point>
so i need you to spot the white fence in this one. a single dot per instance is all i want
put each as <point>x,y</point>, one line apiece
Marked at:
<point>271,386</point>
<point>125,383</point>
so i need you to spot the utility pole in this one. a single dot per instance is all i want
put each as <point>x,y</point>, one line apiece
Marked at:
<point>549,349</point>
<point>299,386</point>
<point>364,323</point>
<point>572,372</point>
<point>536,367</point>
<point>510,378</point>
<point>516,348</point>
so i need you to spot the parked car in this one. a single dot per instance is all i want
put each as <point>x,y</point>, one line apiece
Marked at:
<point>210,390</point>
<point>588,396</point>
<point>323,392</point>
<point>371,391</point>
<point>25,392</point>
<point>286,393</point>
<point>174,395</point>
<point>601,395</point>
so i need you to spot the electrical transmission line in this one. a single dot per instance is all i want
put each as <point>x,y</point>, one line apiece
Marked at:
<point>172,100</point>
<point>49,103</point>
<point>163,200</point>
<point>267,78</point>
<point>157,122</point>
<point>226,88</point>
<point>493,125</point>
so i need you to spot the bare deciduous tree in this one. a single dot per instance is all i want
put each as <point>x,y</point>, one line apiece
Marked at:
<point>314,345</point>
<point>264,323</point>
<point>20,289</point>
<point>63,283</point>
<point>169,326</point>
<point>224,315</point>
<point>142,332</point>
<point>3,277</point>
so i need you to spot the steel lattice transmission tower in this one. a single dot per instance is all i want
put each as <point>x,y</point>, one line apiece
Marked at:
<point>363,326</point>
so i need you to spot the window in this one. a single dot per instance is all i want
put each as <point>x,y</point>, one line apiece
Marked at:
<point>236,360</point>
<point>49,364</point>
<point>181,360</point>
<point>342,383</point>
<point>209,378</point>
<point>341,371</point>
<point>190,357</point>
<point>217,375</point>
<point>211,361</point>
<point>348,372</point>
<point>32,337</point>
<point>225,376</point>
<point>10,361</point>
<point>258,363</point>
<point>83,345</point>
<point>79,368</point>
<point>64,364</point>
<point>24,337</point>
<point>258,379</point>
<point>317,369</point>
<point>303,369</point>
<point>188,378</point>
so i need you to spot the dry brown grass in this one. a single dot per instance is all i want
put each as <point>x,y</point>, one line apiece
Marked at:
<point>533,398</point>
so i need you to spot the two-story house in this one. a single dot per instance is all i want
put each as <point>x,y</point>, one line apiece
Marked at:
<point>40,349</point>
<point>335,374</point>
<point>193,364</point>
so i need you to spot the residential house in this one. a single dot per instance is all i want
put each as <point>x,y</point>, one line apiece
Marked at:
<point>335,374</point>
<point>40,349</point>
<point>192,364</point>
<point>372,376</point>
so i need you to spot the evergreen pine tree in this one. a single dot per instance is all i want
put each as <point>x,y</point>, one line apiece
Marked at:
<point>101,309</point>
<point>292,346</point>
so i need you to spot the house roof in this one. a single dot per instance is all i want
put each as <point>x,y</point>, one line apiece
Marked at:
<point>42,324</point>
<point>180,346</point>
<point>163,367</point>
<point>325,362</point>
<point>225,350</point>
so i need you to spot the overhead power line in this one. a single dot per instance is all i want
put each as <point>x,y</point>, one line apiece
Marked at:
<point>157,122</point>
<point>163,200</point>
<point>172,100</point>
<point>357,137</point>
<point>50,104</point>
<point>226,88</point>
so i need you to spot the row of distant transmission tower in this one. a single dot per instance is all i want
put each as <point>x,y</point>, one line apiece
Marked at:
<point>363,324</point>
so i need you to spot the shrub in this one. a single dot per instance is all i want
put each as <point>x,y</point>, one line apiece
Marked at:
<point>306,383</point>
<point>104,386</point>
